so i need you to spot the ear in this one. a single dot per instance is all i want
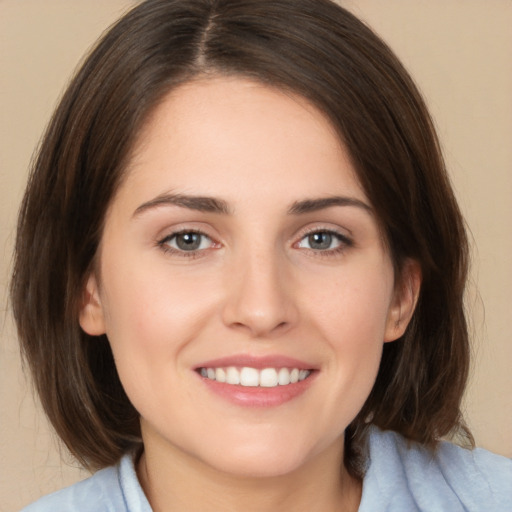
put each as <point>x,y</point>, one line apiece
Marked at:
<point>404,301</point>
<point>91,317</point>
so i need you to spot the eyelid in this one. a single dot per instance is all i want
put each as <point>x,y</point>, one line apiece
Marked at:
<point>345,240</point>
<point>174,236</point>
<point>325,228</point>
<point>163,242</point>
<point>172,229</point>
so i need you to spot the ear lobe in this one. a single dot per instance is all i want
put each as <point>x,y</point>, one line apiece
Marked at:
<point>91,316</point>
<point>404,302</point>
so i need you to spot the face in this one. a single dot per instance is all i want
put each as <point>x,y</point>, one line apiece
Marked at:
<point>243,282</point>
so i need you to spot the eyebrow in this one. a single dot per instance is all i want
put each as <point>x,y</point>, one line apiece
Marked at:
<point>199,203</point>
<point>313,205</point>
<point>214,205</point>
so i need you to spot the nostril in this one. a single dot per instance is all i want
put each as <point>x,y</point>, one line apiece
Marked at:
<point>259,304</point>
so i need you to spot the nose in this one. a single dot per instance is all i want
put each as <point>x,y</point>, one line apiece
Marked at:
<point>260,298</point>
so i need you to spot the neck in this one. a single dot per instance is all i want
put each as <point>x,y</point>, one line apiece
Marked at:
<point>182,482</point>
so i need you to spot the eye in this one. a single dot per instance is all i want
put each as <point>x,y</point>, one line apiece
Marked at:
<point>323,241</point>
<point>187,241</point>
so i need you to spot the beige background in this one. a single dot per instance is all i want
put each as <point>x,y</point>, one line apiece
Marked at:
<point>459,51</point>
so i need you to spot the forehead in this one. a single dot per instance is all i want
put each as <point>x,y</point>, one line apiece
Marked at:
<point>217,134</point>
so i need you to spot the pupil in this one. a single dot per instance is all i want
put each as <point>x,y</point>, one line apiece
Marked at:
<point>320,240</point>
<point>188,241</point>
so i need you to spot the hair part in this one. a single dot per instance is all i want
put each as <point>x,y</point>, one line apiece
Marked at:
<point>313,48</point>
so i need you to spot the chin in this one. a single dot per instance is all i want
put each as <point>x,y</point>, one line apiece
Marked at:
<point>258,466</point>
<point>261,460</point>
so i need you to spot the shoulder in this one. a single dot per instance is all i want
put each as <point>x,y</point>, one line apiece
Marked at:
<point>113,489</point>
<point>405,476</point>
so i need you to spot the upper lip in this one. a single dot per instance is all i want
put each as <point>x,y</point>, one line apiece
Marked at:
<point>258,362</point>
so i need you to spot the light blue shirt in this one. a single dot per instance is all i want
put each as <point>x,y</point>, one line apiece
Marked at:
<point>399,478</point>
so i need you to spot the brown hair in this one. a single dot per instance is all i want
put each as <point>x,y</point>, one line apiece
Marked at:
<point>313,48</point>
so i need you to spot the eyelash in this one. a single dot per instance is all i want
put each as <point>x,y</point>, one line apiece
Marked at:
<point>164,243</point>
<point>344,241</point>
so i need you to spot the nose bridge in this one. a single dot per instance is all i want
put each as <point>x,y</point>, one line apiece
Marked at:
<point>258,295</point>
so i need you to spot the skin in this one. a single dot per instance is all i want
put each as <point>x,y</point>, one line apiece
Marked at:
<point>256,285</point>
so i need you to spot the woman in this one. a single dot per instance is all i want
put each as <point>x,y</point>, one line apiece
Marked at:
<point>240,268</point>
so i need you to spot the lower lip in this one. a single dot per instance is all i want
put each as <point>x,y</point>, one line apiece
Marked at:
<point>247,396</point>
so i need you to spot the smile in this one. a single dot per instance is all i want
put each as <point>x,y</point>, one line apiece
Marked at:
<point>253,377</point>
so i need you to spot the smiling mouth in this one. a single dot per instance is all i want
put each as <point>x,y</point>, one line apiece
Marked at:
<point>253,377</point>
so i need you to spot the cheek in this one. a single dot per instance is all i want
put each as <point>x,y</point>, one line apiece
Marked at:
<point>153,315</point>
<point>351,315</point>
<point>144,297</point>
<point>353,304</point>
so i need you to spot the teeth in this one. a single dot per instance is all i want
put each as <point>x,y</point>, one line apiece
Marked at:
<point>232,376</point>
<point>268,378</point>
<point>220,375</point>
<point>249,377</point>
<point>252,377</point>
<point>283,377</point>
<point>303,374</point>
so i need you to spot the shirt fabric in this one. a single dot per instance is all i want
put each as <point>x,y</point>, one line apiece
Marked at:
<point>400,477</point>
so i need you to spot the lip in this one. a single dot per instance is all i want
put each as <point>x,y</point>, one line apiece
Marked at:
<point>258,362</point>
<point>259,397</point>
